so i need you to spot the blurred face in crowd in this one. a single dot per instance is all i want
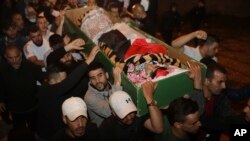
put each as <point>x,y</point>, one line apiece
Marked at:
<point>247,111</point>
<point>191,124</point>
<point>42,24</point>
<point>11,32</point>
<point>36,38</point>
<point>18,20</point>
<point>211,50</point>
<point>114,11</point>
<point>99,79</point>
<point>128,119</point>
<point>216,84</point>
<point>138,11</point>
<point>30,14</point>
<point>76,127</point>
<point>67,59</point>
<point>13,56</point>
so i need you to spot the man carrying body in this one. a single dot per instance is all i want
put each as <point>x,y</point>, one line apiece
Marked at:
<point>78,127</point>
<point>208,47</point>
<point>124,125</point>
<point>99,91</point>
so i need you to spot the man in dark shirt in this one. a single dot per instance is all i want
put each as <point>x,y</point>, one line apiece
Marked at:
<point>124,125</point>
<point>78,127</point>
<point>58,88</point>
<point>18,87</point>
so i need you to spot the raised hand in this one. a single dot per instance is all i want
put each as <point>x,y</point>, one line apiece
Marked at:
<point>117,75</point>
<point>148,89</point>
<point>200,34</point>
<point>92,54</point>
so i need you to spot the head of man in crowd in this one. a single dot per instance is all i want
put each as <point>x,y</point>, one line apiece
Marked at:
<point>56,73</point>
<point>215,80</point>
<point>75,116</point>
<point>209,47</point>
<point>246,110</point>
<point>35,35</point>
<point>56,42</point>
<point>138,11</point>
<point>13,56</point>
<point>30,14</point>
<point>17,19</point>
<point>183,116</point>
<point>42,24</point>
<point>123,107</point>
<point>98,77</point>
<point>10,31</point>
<point>114,10</point>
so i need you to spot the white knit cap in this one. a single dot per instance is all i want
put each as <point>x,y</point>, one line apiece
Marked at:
<point>74,107</point>
<point>122,104</point>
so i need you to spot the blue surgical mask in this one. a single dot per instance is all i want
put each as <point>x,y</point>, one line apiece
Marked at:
<point>33,20</point>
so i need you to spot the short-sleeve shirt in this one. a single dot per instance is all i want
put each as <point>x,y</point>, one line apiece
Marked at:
<point>194,53</point>
<point>30,49</point>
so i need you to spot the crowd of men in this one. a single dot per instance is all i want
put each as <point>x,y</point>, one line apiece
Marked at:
<point>51,90</point>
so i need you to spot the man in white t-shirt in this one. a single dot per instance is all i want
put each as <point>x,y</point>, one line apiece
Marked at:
<point>35,49</point>
<point>208,47</point>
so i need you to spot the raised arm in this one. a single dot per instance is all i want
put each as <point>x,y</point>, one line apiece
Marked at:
<point>181,41</point>
<point>155,122</point>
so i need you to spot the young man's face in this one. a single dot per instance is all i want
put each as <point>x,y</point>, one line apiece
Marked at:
<point>247,111</point>
<point>37,38</point>
<point>67,59</point>
<point>76,127</point>
<point>18,20</point>
<point>212,49</point>
<point>129,119</point>
<point>11,32</point>
<point>42,24</point>
<point>192,123</point>
<point>217,83</point>
<point>99,79</point>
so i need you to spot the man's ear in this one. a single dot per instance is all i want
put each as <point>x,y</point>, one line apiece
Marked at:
<point>64,119</point>
<point>107,75</point>
<point>207,81</point>
<point>177,125</point>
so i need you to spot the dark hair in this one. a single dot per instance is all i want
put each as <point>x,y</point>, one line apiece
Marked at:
<point>54,69</point>
<point>210,40</point>
<point>113,5</point>
<point>8,24</point>
<point>208,61</point>
<point>33,29</point>
<point>179,108</point>
<point>214,67</point>
<point>95,66</point>
<point>56,41</point>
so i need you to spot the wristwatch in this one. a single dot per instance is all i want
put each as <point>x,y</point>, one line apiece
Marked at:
<point>152,103</point>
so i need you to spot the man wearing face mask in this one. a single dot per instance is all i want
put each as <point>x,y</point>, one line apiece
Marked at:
<point>30,15</point>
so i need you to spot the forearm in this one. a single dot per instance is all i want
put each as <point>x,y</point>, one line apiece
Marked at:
<point>181,41</point>
<point>38,62</point>
<point>156,119</point>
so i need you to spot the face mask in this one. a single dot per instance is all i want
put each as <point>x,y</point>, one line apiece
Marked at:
<point>33,20</point>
